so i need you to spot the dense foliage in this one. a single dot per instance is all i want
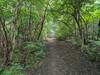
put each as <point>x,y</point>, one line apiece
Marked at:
<point>24,24</point>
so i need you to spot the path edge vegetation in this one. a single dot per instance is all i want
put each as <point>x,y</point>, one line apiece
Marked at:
<point>25,24</point>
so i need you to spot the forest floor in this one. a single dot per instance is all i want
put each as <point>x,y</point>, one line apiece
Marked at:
<point>63,59</point>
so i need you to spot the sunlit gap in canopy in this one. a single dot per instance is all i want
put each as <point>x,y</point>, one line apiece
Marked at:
<point>51,28</point>
<point>97,1</point>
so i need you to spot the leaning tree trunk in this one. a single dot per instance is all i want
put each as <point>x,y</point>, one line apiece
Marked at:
<point>42,21</point>
<point>79,23</point>
<point>78,20</point>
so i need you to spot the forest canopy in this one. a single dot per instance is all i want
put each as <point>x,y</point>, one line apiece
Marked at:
<point>26,24</point>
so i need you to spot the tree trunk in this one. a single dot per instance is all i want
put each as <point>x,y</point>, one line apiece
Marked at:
<point>8,46</point>
<point>99,29</point>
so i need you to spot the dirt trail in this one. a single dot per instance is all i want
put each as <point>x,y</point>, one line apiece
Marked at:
<point>63,59</point>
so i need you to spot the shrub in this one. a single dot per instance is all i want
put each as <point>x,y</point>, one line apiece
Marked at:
<point>15,69</point>
<point>29,53</point>
<point>93,50</point>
